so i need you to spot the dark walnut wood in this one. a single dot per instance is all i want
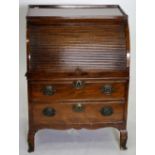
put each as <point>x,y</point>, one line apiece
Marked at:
<point>77,68</point>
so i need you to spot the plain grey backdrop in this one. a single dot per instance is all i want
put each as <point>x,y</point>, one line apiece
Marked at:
<point>80,142</point>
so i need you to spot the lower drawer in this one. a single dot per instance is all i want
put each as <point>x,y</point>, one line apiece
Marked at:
<point>77,112</point>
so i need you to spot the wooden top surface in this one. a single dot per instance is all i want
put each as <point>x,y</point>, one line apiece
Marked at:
<point>93,11</point>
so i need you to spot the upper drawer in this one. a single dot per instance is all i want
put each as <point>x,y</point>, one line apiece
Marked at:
<point>66,47</point>
<point>79,89</point>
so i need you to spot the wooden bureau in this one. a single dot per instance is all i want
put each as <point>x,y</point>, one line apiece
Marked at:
<point>77,68</point>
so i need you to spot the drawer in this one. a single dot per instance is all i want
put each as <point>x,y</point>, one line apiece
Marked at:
<point>79,89</point>
<point>77,112</point>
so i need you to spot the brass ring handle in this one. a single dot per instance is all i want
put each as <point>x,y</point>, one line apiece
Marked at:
<point>78,84</point>
<point>78,107</point>
<point>106,111</point>
<point>48,90</point>
<point>107,89</point>
<point>49,112</point>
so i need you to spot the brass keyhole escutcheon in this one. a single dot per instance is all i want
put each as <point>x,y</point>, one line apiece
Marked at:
<point>78,107</point>
<point>78,84</point>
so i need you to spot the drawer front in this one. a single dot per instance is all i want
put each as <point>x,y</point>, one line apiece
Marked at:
<point>70,90</point>
<point>77,112</point>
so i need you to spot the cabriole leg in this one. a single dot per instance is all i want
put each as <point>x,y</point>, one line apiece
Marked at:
<point>123,139</point>
<point>31,138</point>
